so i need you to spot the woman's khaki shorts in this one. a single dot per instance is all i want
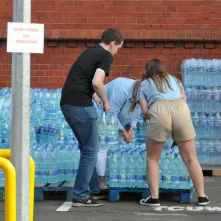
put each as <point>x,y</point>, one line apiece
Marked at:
<point>170,118</point>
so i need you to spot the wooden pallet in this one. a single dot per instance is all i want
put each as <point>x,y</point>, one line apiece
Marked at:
<point>66,187</point>
<point>214,171</point>
<point>42,189</point>
<point>185,194</point>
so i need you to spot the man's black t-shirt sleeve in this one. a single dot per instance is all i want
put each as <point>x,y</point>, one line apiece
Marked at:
<point>105,63</point>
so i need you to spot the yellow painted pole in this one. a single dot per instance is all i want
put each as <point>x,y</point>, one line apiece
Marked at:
<point>10,189</point>
<point>7,154</point>
<point>32,188</point>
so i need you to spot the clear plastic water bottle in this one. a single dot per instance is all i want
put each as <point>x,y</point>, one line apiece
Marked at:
<point>186,71</point>
<point>208,73</point>
<point>142,134</point>
<point>201,98</point>
<point>141,168</point>
<point>113,169</point>
<point>212,154</point>
<point>208,98</point>
<point>52,166</point>
<point>175,179</point>
<point>195,119</point>
<point>217,126</point>
<point>204,149</point>
<point>2,178</point>
<point>122,169</point>
<point>4,134</point>
<point>112,131</point>
<point>166,172</point>
<point>202,124</point>
<point>44,134</point>
<point>194,98</point>
<point>198,151</point>
<point>131,170</point>
<point>33,140</point>
<point>75,156</point>
<point>201,71</point>
<point>214,98</point>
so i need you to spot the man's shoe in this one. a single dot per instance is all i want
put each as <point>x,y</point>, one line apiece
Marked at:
<point>149,201</point>
<point>99,196</point>
<point>90,202</point>
<point>203,201</point>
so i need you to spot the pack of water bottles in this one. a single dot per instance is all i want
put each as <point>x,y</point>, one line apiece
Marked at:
<point>108,130</point>
<point>202,82</point>
<point>201,72</point>
<point>126,168</point>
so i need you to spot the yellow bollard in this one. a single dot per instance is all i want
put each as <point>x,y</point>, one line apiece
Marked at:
<point>7,154</point>
<point>32,188</point>
<point>10,189</point>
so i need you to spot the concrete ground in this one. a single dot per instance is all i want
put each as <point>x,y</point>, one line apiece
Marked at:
<point>128,209</point>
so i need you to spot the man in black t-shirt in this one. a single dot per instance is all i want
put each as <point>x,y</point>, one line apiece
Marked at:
<point>87,76</point>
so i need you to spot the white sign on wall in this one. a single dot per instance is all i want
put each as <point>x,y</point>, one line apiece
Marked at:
<point>25,37</point>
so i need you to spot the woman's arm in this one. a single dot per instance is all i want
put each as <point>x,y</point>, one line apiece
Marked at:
<point>144,107</point>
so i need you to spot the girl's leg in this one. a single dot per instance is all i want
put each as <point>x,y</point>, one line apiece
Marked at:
<point>188,153</point>
<point>154,149</point>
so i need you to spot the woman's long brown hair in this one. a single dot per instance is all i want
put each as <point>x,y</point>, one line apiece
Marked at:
<point>133,105</point>
<point>154,70</point>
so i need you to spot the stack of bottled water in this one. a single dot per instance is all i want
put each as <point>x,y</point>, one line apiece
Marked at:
<point>202,82</point>
<point>127,168</point>
<point>201,72</point>
<point>204,98</point>
<point>55,150</point>
<point>5,121</point>
<point>173,171</point>
<point>5,117</point>
<point>56,153</point>
<point>52,142</point>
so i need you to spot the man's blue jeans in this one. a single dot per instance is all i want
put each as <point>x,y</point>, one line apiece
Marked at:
<point>83,122</point>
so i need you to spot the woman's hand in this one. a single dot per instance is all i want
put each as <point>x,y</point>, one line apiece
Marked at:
<point>130,133</point>
<point>127,137</point>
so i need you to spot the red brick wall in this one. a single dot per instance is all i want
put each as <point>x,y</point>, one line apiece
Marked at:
<point>169,30</point>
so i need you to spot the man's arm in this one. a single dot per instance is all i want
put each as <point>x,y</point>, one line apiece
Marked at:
<point>98,85</point>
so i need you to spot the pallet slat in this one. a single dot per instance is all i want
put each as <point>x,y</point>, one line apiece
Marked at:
<point>59,187</point>
<point>216,173</point>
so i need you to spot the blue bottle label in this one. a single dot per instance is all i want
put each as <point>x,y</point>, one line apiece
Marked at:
<point>110,139</point>
<point>102,138</point>
<point>113,177</point>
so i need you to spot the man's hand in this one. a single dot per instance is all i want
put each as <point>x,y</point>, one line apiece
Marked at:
<point>98,101</point>
<point>106,107</point>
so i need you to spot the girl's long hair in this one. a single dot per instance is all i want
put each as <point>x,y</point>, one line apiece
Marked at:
<point>155,70</point>
<point>133,105</point>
